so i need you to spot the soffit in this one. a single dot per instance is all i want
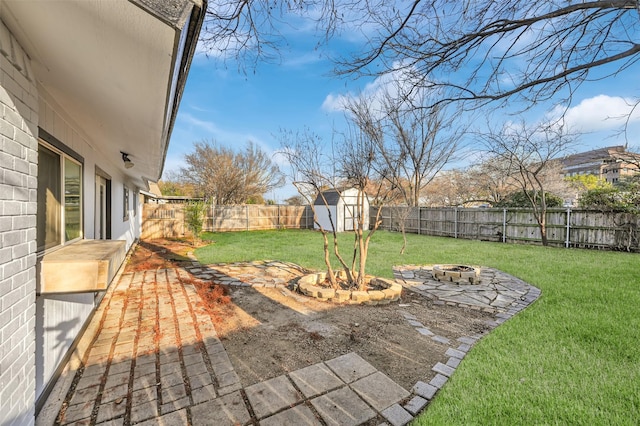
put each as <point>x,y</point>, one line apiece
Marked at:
<point>109,65</point>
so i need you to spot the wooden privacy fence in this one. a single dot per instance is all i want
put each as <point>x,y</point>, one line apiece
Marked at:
<point>565,227</point>
<point>168,220</point>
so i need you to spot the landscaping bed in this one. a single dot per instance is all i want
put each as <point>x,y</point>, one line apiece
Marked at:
<point>268,331</point>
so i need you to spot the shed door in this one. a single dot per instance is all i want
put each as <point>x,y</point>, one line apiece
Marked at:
<point>350,216</point>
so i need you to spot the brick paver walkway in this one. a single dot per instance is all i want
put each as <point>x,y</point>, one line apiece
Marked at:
<point>156,353</point>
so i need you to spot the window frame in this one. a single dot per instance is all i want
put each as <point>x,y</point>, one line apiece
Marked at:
<point>64,154</point>
<point>125,202</point>
<point>136,200</point>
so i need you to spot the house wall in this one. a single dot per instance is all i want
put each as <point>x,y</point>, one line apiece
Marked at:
<point>18,185</point>
<point>61,318</point>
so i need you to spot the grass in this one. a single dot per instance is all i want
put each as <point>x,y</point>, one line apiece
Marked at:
<point>573,357</point>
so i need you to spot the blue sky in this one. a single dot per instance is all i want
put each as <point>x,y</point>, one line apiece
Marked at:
<point>231,107</point>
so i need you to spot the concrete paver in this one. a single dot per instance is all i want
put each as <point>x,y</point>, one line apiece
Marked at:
<point>227,410</point>
<point>424,390</point>
<point>300,415</point>
<point>270,396</point>
<point>379,391</point>
<point>315,379</point>
<point>342,407</point>
<point>415,404</point>
<point>350,367</point>
<point>397,416</point>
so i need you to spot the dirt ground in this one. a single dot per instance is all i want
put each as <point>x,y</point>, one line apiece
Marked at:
<point>269,331</point>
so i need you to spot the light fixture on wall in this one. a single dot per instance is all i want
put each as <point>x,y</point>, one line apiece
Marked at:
<point>127,161</point>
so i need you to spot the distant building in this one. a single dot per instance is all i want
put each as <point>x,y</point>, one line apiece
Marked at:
<point>610,163</point>
<point>154,196</point>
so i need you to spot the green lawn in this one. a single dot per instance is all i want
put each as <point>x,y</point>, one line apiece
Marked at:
<point>573,357</point>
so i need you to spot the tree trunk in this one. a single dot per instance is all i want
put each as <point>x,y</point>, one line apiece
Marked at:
<point>330,275</point>
<point>543,229</point>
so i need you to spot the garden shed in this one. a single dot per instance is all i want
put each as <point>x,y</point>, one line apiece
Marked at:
<point>342,205</point>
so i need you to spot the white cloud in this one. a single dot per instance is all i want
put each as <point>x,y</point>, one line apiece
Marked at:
<point>207,126</point>
<point>190,129</point>
<point>304,59</point>
<point>393,83</point>
<point>598,113</point>
<point>334,103</point>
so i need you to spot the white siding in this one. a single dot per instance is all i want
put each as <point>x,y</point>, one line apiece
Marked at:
<point>60,318</point>
<point>18,184</point>
<point>322,216</point>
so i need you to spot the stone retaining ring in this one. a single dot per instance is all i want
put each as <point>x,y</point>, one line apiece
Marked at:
<point>386,290</point>
<point>459,274</point>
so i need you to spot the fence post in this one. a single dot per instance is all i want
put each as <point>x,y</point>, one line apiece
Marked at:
<point>567,240</point>
<point>455,222</point>
<point>504,225</point>
<point>211,214</point>
<point>419,219</point>
<point>246,211</point>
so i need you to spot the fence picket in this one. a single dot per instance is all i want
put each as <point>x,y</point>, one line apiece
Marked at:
<point>565,227</point>
<point>168,221</point>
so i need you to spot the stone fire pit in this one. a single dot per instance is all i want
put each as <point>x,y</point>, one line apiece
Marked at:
<point>459,274</point>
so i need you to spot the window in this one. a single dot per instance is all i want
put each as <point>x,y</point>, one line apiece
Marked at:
<point>135,203</point>
<point>59,212</point>
<point>125,203</point>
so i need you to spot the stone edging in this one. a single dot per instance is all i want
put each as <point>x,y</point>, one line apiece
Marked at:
<point>391,291</point>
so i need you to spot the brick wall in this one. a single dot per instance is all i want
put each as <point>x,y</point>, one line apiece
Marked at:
<point>18,186</point>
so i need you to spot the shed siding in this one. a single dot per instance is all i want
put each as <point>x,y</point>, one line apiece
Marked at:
<point>18,185</point>
<point>343,210</point>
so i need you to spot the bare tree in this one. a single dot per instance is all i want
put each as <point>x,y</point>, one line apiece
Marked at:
<point>295,200</point>
<point>411,142</point>
<point>451,188</point>
<point>507,49</point>
<point>512,48</point>
<point>315,170</point>
<point>172,184</point>
<point>311,175</point>
<point>492,180</point>
<point>530,155</point>
<point>225,176</point>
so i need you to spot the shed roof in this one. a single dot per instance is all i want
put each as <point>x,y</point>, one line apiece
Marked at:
<point>331,196</point>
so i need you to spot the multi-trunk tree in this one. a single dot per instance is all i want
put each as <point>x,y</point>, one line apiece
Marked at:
<point>316,169</point>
